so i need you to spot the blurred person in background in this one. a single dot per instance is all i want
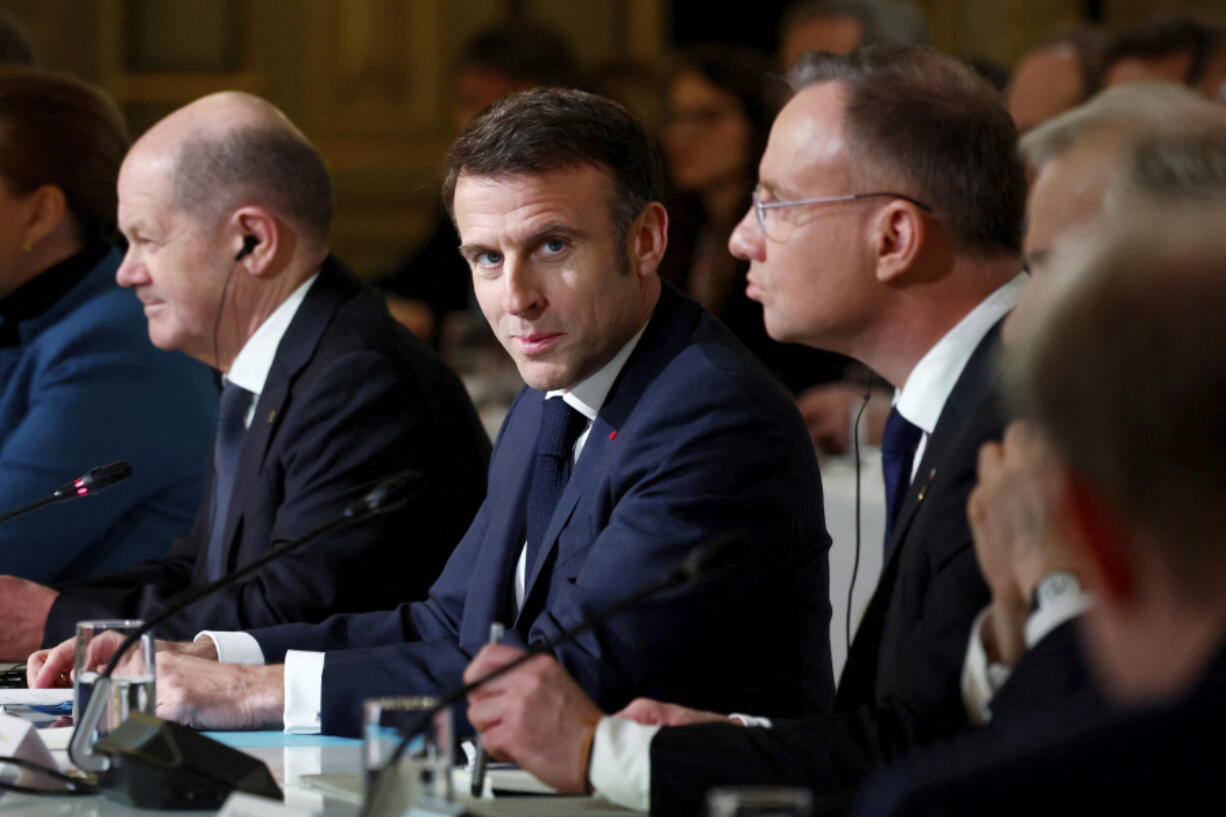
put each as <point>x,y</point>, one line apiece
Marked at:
<point>433,281</point>
<point>80,384</point>
<point>719,108</point>
<point>841,26</point>
<point>1179,49</point>
<point>15,44</point>
<point>1060,73</point>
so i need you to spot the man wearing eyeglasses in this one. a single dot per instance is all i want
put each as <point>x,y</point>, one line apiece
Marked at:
<point>886,226</point>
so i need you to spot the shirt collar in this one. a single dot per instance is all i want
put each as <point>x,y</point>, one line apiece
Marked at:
<point>254,361</point>
<point>588,397</point>
<point>928,386</point>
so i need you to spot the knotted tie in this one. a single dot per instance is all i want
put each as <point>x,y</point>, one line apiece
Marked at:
<point>560,428</point>
<point>235,401</point>
<point>898,444</point>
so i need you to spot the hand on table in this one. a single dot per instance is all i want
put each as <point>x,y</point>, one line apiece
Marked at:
<point>535,715</point>
<point>53,667</point>
<point>206,694</point>
<point>24,606</point>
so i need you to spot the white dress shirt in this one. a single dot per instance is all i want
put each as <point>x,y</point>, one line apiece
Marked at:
<point>304,669</point>
<point>620,766</point>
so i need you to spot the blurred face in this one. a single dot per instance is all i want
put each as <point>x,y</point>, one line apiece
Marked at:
<point>1066,194</point>
<point>14,216</point>
<point>706,140</point>
<point>171,264</point>
<point>478,88</point>
<point>1045,83</point>
<point>547,273</point>
<point>813,268</point>
<point>838,34</point>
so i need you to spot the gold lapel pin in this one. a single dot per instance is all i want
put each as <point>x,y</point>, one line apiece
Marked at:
<point>272,415</point>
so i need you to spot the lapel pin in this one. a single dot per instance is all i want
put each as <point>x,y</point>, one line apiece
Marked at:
<point>272,415</point>
<point>931,476</point>
<point>612,435</point>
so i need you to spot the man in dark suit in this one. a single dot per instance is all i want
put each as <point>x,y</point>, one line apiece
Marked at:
<point>671,433</point>
<point>899,247</point>
<point>226,210</point>
<point>1134,487</point>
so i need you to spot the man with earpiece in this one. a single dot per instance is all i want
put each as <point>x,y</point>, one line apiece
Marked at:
<point>226,209</point>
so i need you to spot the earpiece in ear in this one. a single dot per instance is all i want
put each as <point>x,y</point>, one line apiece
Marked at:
<point>249,243</point>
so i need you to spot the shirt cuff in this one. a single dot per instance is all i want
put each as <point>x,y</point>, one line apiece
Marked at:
<point>620,769</point>
<point>980,678</point>
<point>304,678</point>
<point>1062,608</point>
<point>751,720</point>
<point>234,647</point>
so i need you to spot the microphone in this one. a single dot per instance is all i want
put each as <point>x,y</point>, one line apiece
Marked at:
<point>91,482</point>
<point>167,766</point>
<point>388,792</point>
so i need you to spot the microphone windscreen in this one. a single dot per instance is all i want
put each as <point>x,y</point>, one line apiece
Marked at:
<point>714,555</point>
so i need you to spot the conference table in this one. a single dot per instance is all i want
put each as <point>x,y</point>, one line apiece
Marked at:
<point>319,775</point>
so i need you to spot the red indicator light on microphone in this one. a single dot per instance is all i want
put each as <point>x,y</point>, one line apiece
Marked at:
<point>82,491</point>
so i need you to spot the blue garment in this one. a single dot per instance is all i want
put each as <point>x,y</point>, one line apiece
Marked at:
<point>694,440</point>
<point>85,387</point>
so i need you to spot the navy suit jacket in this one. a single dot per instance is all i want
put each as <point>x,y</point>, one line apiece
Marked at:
<point>351,398</point>
<point>694,440</point>
<point>900,686</point>
<point>85,387</point>
<point>1073,759</point>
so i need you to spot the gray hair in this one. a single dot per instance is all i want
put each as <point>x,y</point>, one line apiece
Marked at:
<point>1181,166</point>
<point>1141,302</point>
<point>1125,107</point>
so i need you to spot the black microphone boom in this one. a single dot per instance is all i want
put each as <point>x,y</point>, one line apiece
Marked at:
<point>88,484</point>
<point>198,772</point>
<point>385,796</point>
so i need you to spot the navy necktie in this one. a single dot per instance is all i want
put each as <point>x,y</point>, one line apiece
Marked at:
<point>235,401</point>
<point>898,444</point>
<point>560,428</point>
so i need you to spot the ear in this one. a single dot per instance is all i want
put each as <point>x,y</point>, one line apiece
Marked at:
<point>647,239</point>
<point>255,224</point>
<point>898,234</point>
<point>44,209</point>
<point>1103,544</point>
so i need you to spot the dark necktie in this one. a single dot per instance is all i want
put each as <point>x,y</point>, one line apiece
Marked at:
<point>560,428</point>
<point>235,401</point>
<point>898,444</point>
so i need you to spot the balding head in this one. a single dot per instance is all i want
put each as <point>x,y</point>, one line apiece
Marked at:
<point>226,209</point>
<point>231,149</point>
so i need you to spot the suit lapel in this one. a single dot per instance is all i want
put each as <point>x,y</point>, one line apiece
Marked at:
<point>972,387</point>
<point>493,572</point>
<point>668,331</point>
<point>334,286</point>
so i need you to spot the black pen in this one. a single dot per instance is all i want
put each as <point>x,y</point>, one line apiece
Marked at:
<point>481,758</point>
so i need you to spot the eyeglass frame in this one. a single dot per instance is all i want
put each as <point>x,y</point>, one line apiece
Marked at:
<point>760,207</point>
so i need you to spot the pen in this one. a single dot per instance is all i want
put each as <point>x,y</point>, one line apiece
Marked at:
<point>479,762</point>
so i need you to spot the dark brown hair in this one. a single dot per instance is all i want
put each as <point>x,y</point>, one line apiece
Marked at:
<point>550,129</point>
<point>55,129</point>
<point>925,121</point>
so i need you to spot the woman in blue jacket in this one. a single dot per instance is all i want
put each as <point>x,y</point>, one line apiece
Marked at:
<point>80,383</point>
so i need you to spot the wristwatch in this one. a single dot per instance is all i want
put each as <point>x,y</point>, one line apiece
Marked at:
<point>1052,586</point>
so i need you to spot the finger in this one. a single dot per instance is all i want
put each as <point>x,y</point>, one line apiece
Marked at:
<point>642,710</point>
<point>490,658</point>
<point>33,664</point>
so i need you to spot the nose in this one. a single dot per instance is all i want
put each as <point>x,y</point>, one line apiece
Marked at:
<point>130,272</point>
<point>747,241</point>
<point>521,290</point>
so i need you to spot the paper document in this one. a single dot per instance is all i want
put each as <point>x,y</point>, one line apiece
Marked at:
<point>25,697</point>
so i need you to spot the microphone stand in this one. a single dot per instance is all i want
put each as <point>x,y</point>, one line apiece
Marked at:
<point>92,482</point>
<point>386,496</point>
<point>389,791</point>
